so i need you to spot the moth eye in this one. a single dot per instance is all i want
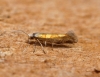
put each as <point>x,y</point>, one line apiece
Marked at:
<point>31,36</point>
<point>34,34</point>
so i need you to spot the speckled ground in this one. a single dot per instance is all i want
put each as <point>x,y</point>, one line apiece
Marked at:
<point>50,16</point>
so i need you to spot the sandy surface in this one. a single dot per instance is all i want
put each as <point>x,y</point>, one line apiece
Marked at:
<point>50,16</point>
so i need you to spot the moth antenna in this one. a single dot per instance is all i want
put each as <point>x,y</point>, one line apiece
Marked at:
<point>17,31</point>
<point>28,38</point>
<point>24,33</point>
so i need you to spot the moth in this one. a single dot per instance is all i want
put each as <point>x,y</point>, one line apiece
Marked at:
<point>53,38</point>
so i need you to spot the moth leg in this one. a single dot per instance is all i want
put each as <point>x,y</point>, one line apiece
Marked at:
<point>52,45</point>
<point>45,43</point>
<point>41,46</point>
<point>34,47</point>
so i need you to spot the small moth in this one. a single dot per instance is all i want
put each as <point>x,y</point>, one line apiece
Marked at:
<point>53,38</point>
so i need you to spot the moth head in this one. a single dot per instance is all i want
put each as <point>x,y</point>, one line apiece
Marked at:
<point>72,37</point>
<point>32,36</point>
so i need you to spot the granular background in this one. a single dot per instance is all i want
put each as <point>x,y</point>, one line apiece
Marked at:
<point>49,16</point>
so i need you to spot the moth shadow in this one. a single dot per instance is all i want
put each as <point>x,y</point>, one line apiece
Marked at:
<point>67,45</point>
